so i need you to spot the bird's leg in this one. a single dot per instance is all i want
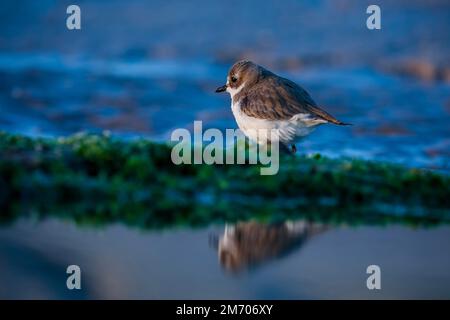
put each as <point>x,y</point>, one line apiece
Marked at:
<point>293,148</point>
<point>285,149</point>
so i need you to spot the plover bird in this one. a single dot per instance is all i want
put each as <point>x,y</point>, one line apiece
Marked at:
<point>262,100</point>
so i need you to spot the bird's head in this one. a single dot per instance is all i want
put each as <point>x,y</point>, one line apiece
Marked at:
<point>242,73</point>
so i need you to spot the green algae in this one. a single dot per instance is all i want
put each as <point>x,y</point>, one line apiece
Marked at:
<point>97,180</point>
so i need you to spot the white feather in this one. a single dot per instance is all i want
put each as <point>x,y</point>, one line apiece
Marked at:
<point>286,131</point>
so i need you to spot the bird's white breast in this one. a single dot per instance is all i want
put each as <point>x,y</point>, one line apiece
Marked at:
<point>286,131</point>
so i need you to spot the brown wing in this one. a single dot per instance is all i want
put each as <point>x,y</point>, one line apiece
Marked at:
<point>275,98</point>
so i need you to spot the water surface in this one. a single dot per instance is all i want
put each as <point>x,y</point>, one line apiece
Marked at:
<point>319,262</point>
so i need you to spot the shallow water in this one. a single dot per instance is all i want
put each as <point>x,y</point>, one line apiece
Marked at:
<point>322,262</point>
<point>395,119</point>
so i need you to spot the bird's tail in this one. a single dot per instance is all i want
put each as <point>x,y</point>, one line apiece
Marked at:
<point>327,117</point>
<point>340,123</point>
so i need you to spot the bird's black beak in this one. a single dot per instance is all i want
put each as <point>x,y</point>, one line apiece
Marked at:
<point>222,88</point>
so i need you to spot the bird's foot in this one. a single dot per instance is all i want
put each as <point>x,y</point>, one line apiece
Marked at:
<point>284,149</point>
<point>289,150</point>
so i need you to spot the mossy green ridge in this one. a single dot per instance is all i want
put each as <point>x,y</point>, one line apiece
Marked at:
<point>97,179</point>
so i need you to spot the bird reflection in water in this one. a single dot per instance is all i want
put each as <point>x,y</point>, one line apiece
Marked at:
<point>246,245</point>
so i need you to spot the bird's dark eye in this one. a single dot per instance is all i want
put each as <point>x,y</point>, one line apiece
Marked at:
<point>233,79</point>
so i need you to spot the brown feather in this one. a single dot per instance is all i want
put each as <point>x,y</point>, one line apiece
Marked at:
<point>276,98</point>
